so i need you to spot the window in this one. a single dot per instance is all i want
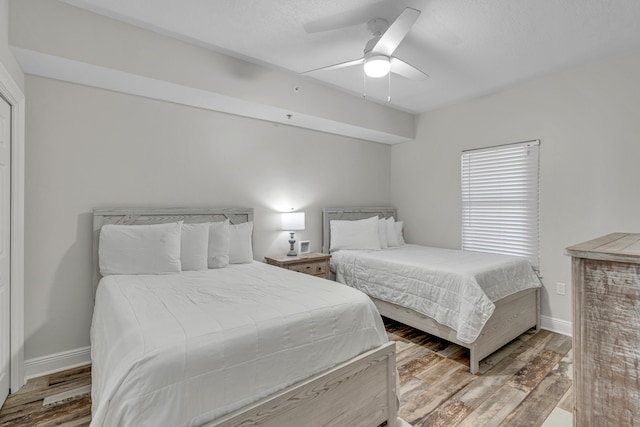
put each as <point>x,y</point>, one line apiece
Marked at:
<point>500,200</point>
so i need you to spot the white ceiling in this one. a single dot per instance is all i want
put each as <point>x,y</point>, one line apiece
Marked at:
<point>468,47</point>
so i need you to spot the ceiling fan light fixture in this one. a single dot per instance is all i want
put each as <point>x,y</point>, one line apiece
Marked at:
<point>377,66</point>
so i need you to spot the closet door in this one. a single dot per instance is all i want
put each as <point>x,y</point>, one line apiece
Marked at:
<point>5,241</point>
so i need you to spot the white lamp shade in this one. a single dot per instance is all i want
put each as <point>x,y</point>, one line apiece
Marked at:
<point>292,221</point>
<point>377,66</point>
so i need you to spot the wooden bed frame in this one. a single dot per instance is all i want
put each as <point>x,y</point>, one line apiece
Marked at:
<point>357,392</point>
<point>513,315</point>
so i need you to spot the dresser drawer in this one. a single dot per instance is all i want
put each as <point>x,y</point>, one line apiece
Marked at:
<point>603,277</point>
<point>310,267</point>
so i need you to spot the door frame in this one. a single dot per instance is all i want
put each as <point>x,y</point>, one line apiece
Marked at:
<point>12,93</point>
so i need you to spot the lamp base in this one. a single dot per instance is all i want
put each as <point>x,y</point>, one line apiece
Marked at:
<point>292,249</point>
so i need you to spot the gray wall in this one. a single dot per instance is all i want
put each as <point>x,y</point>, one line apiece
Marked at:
<point>588,120</point>
<point>6,57</point>
<point>88,147</point>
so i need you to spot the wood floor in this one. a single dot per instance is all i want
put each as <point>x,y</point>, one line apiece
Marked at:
<point>60,399</point>
<point>518,385</point>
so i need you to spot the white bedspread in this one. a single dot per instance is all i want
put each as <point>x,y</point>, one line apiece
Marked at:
<point>187,348</point>
<point>456,288</point>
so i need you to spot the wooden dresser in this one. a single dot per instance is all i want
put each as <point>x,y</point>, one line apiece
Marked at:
<point>606,331</point>
<point>315,264</point>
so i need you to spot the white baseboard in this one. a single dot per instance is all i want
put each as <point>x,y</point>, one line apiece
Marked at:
<point>556,325</point>
<point>45,365</point>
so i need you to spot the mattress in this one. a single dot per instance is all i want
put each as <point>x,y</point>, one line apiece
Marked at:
<point>456,288</point>
<point>185,349</point>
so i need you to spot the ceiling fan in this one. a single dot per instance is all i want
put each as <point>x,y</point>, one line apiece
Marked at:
<point>378,56</point>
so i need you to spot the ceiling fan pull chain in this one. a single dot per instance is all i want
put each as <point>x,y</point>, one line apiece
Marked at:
<point>389,88</point>
<point>364,86</point>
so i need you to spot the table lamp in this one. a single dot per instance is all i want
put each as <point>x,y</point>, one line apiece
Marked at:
<point>292,222</point>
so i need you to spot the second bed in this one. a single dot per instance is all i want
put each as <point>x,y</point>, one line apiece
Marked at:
<point>477,300</point>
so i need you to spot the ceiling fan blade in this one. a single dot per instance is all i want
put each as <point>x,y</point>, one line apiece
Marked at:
<point>398,66</point>
<point>394,35</point>
<point>337,66</point>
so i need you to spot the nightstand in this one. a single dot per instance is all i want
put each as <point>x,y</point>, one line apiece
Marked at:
<point>315,264</point>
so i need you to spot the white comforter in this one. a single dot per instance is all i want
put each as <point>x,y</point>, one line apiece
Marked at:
<point>185,349</point>
<point>456,288</point>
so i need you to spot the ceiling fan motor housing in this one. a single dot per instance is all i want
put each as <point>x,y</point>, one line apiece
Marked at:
<point>377,26</point>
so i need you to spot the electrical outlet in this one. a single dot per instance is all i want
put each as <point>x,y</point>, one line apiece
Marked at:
<point>560,288</point>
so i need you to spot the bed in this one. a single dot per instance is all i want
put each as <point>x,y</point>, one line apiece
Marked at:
<point>248,344</point>
<point>497,296</point>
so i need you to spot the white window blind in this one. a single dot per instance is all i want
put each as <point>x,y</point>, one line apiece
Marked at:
<point>500,200</point>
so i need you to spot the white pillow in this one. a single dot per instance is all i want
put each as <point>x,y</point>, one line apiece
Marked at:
<point>240,250</point>
<point>399,233</point>
<point>194,245</point>
<point>218,244</point>
<point>140,249</point>
<point>382,231</point>
<point>360,234</point>
<point>392,235</point>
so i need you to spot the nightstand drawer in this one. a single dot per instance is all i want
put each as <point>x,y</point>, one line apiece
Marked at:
<point>314,264</point>
<point>310,267</point>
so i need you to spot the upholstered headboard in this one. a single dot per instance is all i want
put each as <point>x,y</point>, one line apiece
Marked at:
<point>141,216</point>
<point>350,214</point>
